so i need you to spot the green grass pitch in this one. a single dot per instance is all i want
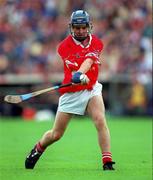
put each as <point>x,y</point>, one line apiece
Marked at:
<point>77,155</point>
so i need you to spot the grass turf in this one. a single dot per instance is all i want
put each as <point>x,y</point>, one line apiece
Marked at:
<point>77,155</point>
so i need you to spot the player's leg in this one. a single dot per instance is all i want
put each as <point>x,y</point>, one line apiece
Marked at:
<point>49,137</point>
<point>96,110</point>
<point>61,122</point>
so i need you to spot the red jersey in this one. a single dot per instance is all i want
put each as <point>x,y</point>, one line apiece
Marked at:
<point>73,54</point>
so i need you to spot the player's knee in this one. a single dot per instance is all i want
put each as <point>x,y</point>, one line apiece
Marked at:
<point>100,121</point>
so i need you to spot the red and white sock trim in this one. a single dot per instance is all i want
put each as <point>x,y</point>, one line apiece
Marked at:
<point>106,157</point>
<point>40,148</point>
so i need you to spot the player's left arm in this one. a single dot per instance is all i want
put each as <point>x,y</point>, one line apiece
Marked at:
<point>91,57</point>
<point>80,76</point>
<point>85,66</point>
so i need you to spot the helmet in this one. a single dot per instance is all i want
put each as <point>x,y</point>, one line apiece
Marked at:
<point>78,18</point>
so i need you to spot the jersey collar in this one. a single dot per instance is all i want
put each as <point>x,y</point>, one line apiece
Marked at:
<point>79,43</point>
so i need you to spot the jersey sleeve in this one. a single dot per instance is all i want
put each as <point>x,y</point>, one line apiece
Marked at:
<point>63,50</point>
<point>94,54</point>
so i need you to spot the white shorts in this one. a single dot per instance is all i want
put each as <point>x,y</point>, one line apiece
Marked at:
<point>76,103</point>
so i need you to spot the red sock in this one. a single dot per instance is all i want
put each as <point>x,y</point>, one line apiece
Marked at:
<point>40,148</point>
<point>106,157</point>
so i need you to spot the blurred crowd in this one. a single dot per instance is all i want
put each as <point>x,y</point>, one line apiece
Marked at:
<point>30,31</point>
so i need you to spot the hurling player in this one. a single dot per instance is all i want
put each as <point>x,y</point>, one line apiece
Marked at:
<point>80,53</point>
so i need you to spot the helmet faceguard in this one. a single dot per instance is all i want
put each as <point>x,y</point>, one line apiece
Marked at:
<point>80,18</point>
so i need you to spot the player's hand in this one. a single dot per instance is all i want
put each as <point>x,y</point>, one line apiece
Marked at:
<point>79,77</point>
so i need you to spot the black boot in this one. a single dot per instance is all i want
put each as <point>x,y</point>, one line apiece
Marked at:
<point>108,166</point>
<point>32,158</point>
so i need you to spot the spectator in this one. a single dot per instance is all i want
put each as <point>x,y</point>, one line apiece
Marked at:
<point>137,102</point>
